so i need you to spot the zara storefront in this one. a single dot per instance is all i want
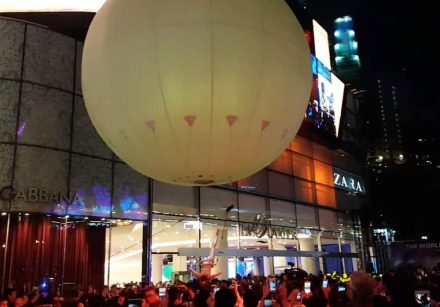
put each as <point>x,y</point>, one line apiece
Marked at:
<point>71,211</point>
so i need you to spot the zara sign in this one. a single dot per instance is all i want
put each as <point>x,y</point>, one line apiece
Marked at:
<point>348,181</point>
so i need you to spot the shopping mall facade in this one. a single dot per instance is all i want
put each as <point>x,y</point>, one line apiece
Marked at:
<point>72,211</point>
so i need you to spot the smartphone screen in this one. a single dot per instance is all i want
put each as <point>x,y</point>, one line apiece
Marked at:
<point>341,288</point>
<point>272,285</point>
<point>423,297</point>
<point>267,303</point>
<point>325,283</point>
<point>162,292</point>
<point>307,287</point>
<point>298,297</point>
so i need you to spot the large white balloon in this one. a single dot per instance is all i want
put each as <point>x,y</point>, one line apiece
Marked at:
<point>196,92</point>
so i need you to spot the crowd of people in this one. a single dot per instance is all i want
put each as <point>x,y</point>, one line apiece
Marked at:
<point>398,288</point>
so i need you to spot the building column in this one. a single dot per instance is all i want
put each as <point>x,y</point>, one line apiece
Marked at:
<point>156,268</point>
<point>279,262</point>
<point>179,263</point>
<point>320,259</point>
<point>222,261</point>
<point>268,265</point>
<point>342,258</point>
<point>308,263</point>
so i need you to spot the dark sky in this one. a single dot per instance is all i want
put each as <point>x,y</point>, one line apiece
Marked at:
<point>391,34</point>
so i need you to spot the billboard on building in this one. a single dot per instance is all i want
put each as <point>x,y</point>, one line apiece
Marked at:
<point>322,49</point>
<point>338,97</point>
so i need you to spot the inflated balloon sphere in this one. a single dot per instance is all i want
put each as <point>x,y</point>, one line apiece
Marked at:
<point>196,92</point>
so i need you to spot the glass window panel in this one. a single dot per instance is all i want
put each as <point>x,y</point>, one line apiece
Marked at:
<point>282,213</point>
<point>306,216</point>
<point>11,48</point>
<point>255,183</point>
<point>283,163</point>
<point>171,233</point>
<point>302,166</point>
<point>85,138</point>
<point>213,203</point>
<point>125,240</point>
<point>326,195</point>
<point>348,201</point>
<point>8,109</point>
<point>323,173</point>
<point>305,190</point>
<point>173,199</point>
<point>91,181</point>
<point>6,157</point>
<point>45,116</point>
<point>49,58</point>
<point>328,220</point>
<point>280,185</point>
<point>346,221</point>
<point>250,206</point>
<point>302,146</point>
<point>79,52</point>
<point>130,198</point>
<point>321,153</point>
<point>208,234</point>
<point>40,180</point>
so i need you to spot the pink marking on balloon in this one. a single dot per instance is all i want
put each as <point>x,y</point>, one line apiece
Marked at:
<point>190,119</point>
<point>264,124</point>
<point>231,119</point>
<point>151,124</point>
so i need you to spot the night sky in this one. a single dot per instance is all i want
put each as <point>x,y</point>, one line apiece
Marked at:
<point>400,36</point>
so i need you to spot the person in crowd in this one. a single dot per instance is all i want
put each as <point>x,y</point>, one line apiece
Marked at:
<point>20,301</point>
<point>33,299</point>
<point>3,302</point>
<point>225,297</point>
<point>11,294</point>
<point>58,299</point>
<point>361,289</point>
<point>120,301</point>
<point>105,298</point>
<point>316,298</point>
<point>152,299</point>
<point>73,299</point>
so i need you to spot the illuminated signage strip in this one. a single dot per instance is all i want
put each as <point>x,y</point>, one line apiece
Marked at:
<point>50,5</point>
<point>233,252</point>
<point>348,181</point>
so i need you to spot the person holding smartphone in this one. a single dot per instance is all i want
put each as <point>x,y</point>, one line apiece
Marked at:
<point>314,294</point>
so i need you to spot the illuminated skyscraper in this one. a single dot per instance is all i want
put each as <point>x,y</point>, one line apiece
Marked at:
<point>347,60</point>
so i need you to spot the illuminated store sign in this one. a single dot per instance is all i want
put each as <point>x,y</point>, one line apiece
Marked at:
<point>348,181</point>
<point>37,195</point>
<point>50,5</point>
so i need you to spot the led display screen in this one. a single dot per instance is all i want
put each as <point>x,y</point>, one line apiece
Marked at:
<point>325,104</point>
<point>322,49</point>
<point>338,97</point>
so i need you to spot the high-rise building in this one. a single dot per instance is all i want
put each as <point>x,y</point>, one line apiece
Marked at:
<point>348,64</point>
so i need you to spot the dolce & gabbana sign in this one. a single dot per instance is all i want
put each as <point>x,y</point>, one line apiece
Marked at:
<point>348,181</point>
<point>37,195</point>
